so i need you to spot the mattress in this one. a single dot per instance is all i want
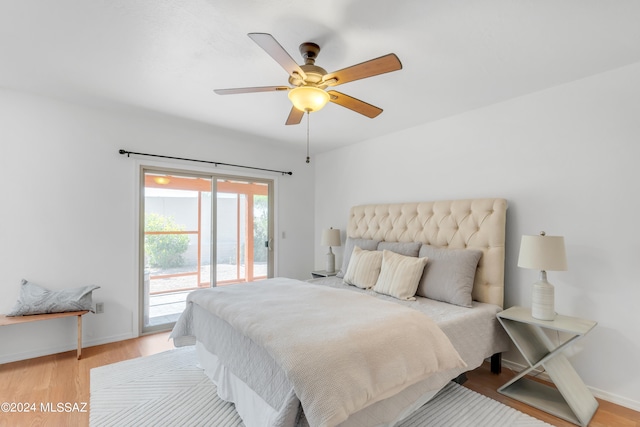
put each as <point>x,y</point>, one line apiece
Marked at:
<point>264,397</point>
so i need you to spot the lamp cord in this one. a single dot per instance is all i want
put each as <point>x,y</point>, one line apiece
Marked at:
<point>307,136</point>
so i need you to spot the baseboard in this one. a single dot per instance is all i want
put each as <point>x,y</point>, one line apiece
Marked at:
<point>600,394</point>
<point>108,340</point>
<point>614,398</point>
<point>15,357</point>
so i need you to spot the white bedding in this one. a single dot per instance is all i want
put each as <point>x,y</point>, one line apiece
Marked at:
<point>270,395</point>
<point>341,351</point>
<point>475,332</point>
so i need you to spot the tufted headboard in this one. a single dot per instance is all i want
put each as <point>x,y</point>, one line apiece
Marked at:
<point>474,223</point>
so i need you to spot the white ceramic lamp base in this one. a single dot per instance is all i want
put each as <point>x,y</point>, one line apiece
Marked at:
<point>543,299</point>
<point>331,262</point>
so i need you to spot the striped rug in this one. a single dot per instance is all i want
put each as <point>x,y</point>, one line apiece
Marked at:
<point>167,389</point>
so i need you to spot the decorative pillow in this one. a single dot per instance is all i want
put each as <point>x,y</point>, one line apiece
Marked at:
<point>399,275</point>
<point>366,244</point>
<point>407,249</point>
<point>35,299</point>
<point>449,274</point>
<point>364,268</point>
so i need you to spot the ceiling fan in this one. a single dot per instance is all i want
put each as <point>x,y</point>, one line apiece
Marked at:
<point>309,81</point>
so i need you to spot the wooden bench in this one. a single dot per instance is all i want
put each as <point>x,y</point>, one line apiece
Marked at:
<point>15,320</point>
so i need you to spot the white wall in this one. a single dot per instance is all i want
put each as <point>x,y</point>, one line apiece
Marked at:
<point>68,213</point>
<point>566,159</point>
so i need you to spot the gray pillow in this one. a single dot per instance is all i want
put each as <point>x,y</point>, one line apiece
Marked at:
<point>35,299</point>
<point>449,274</point>
<point>406,249</point>
<point>365,244</point>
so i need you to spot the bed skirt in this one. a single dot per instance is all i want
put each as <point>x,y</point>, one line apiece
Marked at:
<point>256,412</point>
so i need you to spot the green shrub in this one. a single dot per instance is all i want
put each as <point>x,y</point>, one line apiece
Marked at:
<point>164,250</point>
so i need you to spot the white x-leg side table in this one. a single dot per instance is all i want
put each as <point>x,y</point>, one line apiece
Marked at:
<point>571,400</point>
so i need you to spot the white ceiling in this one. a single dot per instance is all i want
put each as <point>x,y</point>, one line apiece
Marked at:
<point>168,56</point>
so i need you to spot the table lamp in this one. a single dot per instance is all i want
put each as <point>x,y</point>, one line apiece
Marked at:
<point>544,253</point>
<point>331,237</point>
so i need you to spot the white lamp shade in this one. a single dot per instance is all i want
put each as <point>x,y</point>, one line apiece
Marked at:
<point>308,98</point>
<point>331,237</point>
<point>543,253</point>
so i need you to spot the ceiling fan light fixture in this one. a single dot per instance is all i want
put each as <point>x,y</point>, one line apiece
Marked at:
<point>308,98</point>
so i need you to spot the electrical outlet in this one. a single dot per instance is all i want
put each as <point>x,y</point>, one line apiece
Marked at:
<point>99,307</point>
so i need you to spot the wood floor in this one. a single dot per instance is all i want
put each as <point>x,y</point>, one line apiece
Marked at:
<point>608,414</point>
<point>55,389</point>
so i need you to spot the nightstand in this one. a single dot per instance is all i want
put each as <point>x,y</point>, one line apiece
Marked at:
<point>571,400</point>
<point>322,273</point>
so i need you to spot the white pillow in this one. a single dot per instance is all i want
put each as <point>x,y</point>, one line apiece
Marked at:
<point>399,275</point>
<point>366,244</point>
<point>364,268</point>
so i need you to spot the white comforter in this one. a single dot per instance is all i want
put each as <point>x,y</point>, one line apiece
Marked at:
<point>341,350</point>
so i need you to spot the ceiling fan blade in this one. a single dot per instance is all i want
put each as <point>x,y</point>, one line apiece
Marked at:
<point>373,67</point>
<point>295,116</point>
<point>354,104</point>
<point>277,52</point>
<point>250,90</point>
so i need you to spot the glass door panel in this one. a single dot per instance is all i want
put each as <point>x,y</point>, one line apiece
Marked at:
<point>262,240</point>
<point>180,250</point>
<point>243,230</point>
<point>177,243</point>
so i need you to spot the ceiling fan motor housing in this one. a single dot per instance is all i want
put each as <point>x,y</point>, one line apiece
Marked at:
<point>309,52</point>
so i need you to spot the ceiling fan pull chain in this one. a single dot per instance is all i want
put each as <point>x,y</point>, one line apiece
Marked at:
<point>307,137</point>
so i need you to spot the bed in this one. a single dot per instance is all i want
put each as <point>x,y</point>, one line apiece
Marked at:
<point>324,352</point>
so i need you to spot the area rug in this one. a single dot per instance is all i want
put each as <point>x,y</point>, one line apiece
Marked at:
<point>168,389</point>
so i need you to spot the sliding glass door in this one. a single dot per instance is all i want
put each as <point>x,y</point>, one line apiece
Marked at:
<point>182,250</point>
<point>242,238</point>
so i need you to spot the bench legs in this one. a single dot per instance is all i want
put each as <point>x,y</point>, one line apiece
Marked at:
<point>16,320</point>
<point>79,336</point>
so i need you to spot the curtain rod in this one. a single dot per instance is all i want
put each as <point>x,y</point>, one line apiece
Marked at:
<point>128,153</point>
